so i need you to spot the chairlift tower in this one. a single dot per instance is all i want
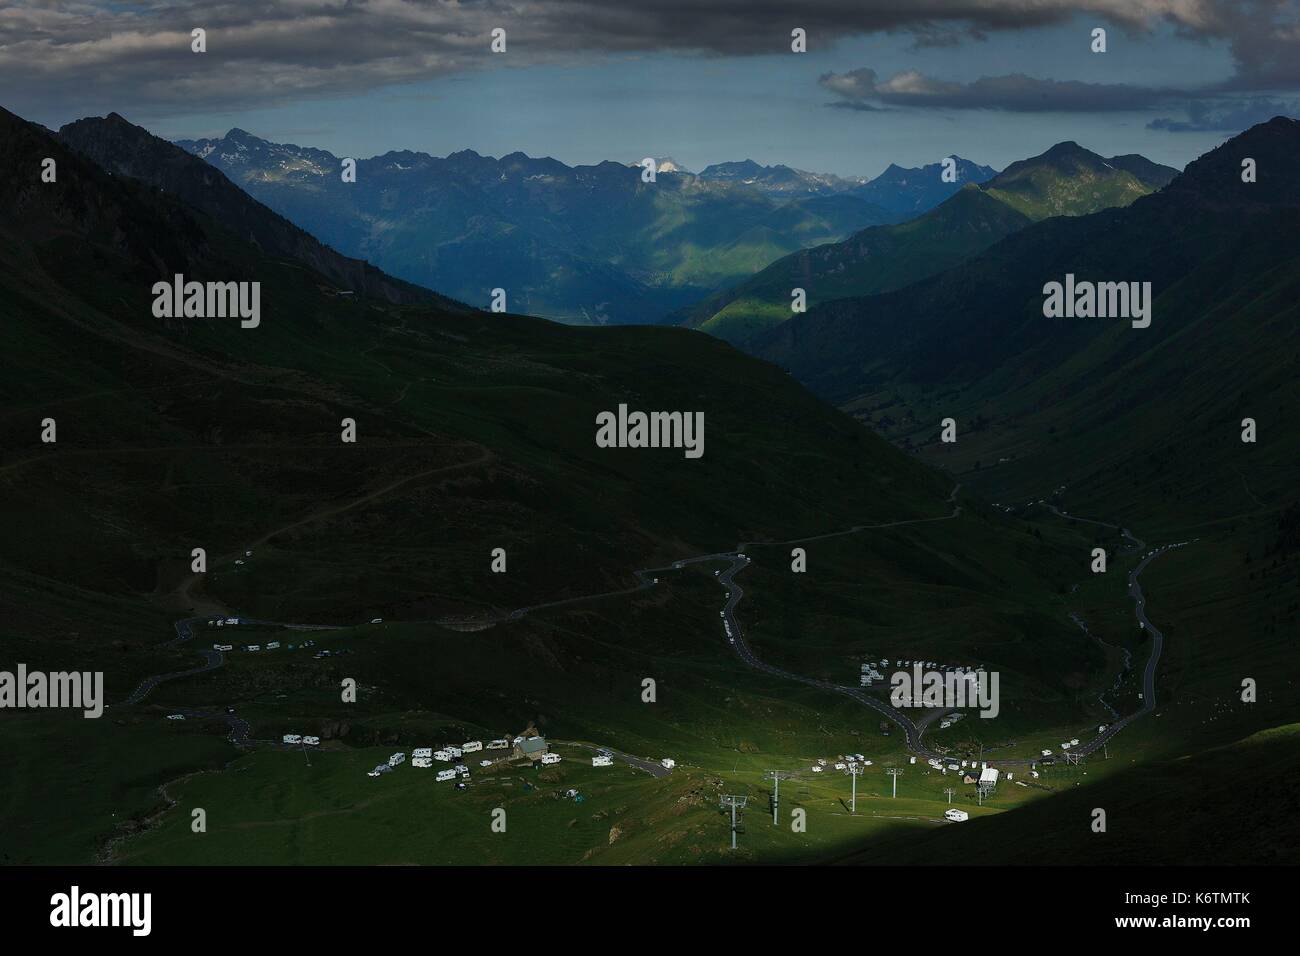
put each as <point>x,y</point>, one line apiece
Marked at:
<point>854,771</point>
<point>895,772</point>
<point>735,802</point>
<point>776,776</point>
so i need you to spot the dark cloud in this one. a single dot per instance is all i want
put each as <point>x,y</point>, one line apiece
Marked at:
<point>1227,117</point>
<point>1014,92</point>
<point>107,53</point>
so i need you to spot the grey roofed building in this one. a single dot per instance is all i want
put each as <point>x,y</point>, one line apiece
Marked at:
<point>531,747</point>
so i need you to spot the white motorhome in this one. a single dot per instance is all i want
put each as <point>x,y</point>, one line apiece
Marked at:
<point>422,762</point>
<point>601,761</point>
<point>311,741</point>
<point>445,775</point>
<point>470,746</point>
<point>395,759</point>
<point>292,738</point>
<point>501,744</point>
<point>443,755</point>
<point>955,815</point>
<point>550,758</point>
<point>669,762</point>
<point>273,645</point>
<point>223,647</point>
<point>421,752</point>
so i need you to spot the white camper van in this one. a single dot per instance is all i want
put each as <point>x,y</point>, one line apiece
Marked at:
<point>395,759</point>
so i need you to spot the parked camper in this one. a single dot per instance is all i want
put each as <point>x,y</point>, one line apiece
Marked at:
<point>550,758</point>
<point>292,738</point>
<point>470,746</point>
<point>445,775</point>
<point>273,645</point>
<point>223,647</point>
<point>421,752</point>
<point>311,741</point>
<point>485,763</point>
<point>395,759</point>
<point>422,762</point>
<point>501,744</point>
<point>253,647</point>
<point>1074,742</point>
<point>232,620</point>
<point>955,815</point>
<point>601,761</point>
<point>444,755</point>
<point>816,769</point>
<point>669,762</point>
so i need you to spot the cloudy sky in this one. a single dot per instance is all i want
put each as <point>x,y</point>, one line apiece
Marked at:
<point>907,81</point>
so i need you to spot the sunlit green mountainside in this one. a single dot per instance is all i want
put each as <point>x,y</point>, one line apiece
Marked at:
<point>582,244</point>
<point>1065,180</point>
<point>1141,423</point>
<point>1069,180</point>
<point>475,432</point>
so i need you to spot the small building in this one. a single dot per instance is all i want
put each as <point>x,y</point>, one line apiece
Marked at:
<point>530,748</point>
<point>989,776</point>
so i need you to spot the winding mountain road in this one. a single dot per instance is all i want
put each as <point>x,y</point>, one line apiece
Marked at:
<point>736,562</point>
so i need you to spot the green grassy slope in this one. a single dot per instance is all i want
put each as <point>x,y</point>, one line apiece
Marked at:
<point>1064,181</point>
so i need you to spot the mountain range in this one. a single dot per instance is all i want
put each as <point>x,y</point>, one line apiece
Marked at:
<point>581,244</point>
<point>1066,180</point>
<point>1112,407</point>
